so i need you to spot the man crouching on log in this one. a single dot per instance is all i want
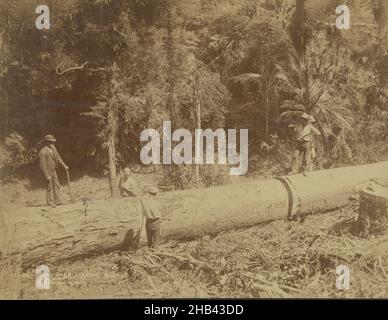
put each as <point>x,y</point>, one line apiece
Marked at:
<point>151,211</point>
<point>49,159</point>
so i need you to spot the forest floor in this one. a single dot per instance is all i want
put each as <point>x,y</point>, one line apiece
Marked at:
<point>278,259</point>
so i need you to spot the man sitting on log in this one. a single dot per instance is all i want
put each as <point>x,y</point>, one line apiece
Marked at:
<point>151,211</point>
<point>129,187</point>
<point>49,160</point>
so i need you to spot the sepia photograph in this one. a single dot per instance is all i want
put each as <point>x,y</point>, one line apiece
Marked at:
<point>193,149</point>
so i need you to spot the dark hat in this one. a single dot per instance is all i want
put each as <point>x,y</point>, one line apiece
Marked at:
<point>49,138</point>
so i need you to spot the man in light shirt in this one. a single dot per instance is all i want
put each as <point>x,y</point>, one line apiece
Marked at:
<point>304,144</point>
<point>129,187</point>
<point>151,212</point>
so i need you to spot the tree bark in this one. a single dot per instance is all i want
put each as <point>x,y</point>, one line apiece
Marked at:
<point>198,121</point>
<point>297,28</point>
<point>113,125</point>
<point>266,116</point>
<point>381,17</point>
<point>44,235</point>
<point>112,168</point>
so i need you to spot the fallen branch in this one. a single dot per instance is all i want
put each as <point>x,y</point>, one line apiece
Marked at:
<point>141,264</point>
<point>179,258</point>
<point>266,282</point>
<point>382,268</point>
<point>190,260</point>
<point>71,68</point>
<point>273,290</point>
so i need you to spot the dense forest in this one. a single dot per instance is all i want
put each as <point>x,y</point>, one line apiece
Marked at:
<point>108,69</point>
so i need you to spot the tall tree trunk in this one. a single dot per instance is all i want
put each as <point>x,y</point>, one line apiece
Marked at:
<point>112,152</point>
<point>381,17</point>
<point>297,28</point>
<point>197,97</point>
<point>112,168</point>
<point>171,73</point>
<point>3,94</point>
<point>113,127</point>
<point>266,116</point>
<point>171,77</point>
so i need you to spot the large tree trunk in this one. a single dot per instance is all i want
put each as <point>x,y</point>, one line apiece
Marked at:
<point>113,127</point>
<point>381,17</point>
<point>112,168</point>
<point>197,126</point>
<point>43,235</point>
<point>266,115</point>
<point>297,28</point>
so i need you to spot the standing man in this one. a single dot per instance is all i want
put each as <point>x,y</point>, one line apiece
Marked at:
<point>49,160</point>
<point>151,211</point>
<point>304,145</point>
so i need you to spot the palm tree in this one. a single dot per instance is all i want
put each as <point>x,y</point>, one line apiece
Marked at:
<point>308,81</point>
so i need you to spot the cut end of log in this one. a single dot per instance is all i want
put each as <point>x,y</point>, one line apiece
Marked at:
<point>373,210</point>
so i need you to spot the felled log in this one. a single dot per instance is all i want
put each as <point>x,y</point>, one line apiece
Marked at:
<point>327,190</point>
<point>45,235</point>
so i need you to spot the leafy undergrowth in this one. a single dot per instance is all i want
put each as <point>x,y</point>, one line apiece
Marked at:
<point>278,260</point>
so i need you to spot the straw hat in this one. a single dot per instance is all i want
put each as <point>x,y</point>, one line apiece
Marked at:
<point>49,138</point>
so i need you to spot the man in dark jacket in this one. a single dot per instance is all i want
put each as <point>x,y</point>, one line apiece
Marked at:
<point>50,159</point>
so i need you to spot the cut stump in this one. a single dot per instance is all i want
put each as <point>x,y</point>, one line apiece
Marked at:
<point>373,210</point>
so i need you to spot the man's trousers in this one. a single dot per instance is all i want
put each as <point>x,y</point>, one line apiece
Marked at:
<point>153,232</point>
<point>53,191</point>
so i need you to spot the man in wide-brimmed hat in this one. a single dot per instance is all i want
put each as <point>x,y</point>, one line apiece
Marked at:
<point>304,145</point>
<point>49,160</point>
